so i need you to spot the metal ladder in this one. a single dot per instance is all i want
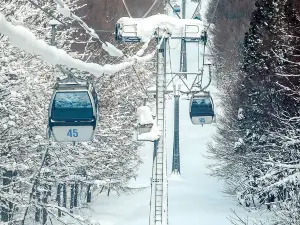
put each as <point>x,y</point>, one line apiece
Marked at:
<point>158,190</point>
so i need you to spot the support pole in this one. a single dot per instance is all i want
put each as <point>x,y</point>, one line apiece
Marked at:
<point>176,152</point>
<point>183,61</point>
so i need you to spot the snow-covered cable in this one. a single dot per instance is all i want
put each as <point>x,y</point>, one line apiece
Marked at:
<point>63,9</point>
<point>24,39</point>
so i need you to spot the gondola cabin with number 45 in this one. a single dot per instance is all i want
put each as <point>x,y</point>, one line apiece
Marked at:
<point>176,8</point>
<point>202,109</point>
<point>73,111</point>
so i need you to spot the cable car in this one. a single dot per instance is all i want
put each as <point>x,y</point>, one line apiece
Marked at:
<point>197,16</point>
<point>176,8</point>
<point>73,111</point>
<point>126,31</point>
<point>202,109</point>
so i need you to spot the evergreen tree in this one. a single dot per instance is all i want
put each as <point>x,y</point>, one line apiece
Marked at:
<point>259,160</point>
<point>33,185</point>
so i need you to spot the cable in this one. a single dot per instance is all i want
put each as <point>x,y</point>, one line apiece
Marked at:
<point>126,7</point>
<point>59,20</point>
<point>89,30</point>
<point>176,46</point>
<point>197,8</point>
<point>211,19</point>
<point>49,14</point>
<point>213,15</point>
<point>151,7</point>
<point>174,10</point>
<point>202,73</point>
<point>172,80</point>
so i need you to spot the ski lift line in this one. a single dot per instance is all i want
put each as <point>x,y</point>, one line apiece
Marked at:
<point>214,13</point>
<point>65,24</point>
<point>197,8</point>
<point>172,80</point>
<point>210,79</point>
<point>64,71</point>
<point>203,62</point>
<point>49,14</point>
<point>174,10</point>
<point>127,9</point>
<point>181,80</point>
<point>170,63</point>
<point>81,23</point>
<point>151,7</point>
<point>202,70</point>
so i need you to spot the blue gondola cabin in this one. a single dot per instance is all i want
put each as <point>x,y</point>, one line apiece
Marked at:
<point>73,111</point>
<point>202,110</point>
<point>176,8</point>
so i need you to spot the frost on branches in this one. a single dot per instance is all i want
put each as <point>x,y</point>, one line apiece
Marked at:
<point>258,150</point>
<point>55,192</point>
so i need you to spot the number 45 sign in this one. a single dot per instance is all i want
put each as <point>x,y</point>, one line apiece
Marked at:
<point>72,133</point>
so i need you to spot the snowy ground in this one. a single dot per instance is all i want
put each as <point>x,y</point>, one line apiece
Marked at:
<point>194,198</point>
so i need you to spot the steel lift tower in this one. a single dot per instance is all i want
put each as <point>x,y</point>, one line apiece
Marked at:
<point>176,152</point>
<point>128,30</point>
<point>183,62</point>
<point>183,68</point>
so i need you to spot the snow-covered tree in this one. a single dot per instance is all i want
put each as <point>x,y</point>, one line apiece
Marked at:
<point>36,186</point>
<point>257,145</point>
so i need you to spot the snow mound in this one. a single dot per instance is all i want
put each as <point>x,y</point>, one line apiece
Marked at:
<point>175,177</point>
<point>144,115</point>
<point>150,136</point>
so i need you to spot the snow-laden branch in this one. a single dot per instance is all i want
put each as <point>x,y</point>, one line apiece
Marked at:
<point>63,9</point>
<point>24,39</point>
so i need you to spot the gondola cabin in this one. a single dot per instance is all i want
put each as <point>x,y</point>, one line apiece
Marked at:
<point>202,109</point>
<point>176,8</point>
<point>197,16</point>
<point>126,32</point>
<point>73,111</point>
